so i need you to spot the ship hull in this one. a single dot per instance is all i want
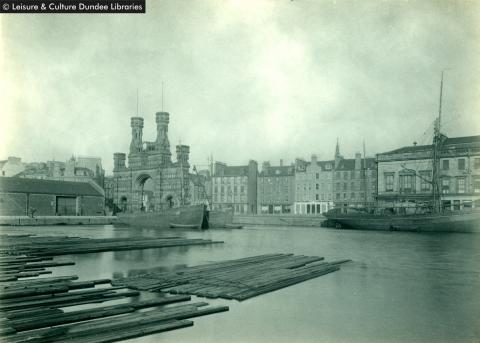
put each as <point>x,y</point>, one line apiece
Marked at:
<point>187,216</point>
<point>451,222</point>
<point>220,218</point>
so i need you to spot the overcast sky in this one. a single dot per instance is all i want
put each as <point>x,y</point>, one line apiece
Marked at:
<point>243,79</point>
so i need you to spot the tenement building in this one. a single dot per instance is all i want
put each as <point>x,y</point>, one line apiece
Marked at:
<point>313,186</point>
<point>235,187</point>
<point>151,181</point>
<point>405,174</point>
<point>354,181</point>
<point>276,189</point>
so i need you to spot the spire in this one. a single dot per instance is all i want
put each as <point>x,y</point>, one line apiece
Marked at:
<point>337,150</point>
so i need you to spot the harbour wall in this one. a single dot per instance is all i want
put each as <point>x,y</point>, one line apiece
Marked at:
<point>279,220</point>
<point>57,220</point>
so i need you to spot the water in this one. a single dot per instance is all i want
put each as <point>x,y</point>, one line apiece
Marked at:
<point>400,287</point>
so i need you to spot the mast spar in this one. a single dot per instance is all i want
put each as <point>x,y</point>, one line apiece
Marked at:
<point>436,145</point>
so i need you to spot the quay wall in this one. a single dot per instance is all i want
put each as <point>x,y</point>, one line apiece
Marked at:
<point>56,220</point>
<point>279,220</point>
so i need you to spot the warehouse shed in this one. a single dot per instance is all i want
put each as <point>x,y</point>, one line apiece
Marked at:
<point>35,197</point>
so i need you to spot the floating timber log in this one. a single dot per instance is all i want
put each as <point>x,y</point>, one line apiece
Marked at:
<point>34,310</point>
<point>235,279</point>
<point>31,247</point>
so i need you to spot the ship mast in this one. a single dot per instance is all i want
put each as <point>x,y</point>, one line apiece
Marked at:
<point>365,197</point>
<point>437,138</point>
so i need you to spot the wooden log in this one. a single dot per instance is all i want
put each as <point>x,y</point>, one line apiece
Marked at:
<point>61,295</point>
<point>49,289</point>
<point>107,324</point>
<point>75,316</point>
<point>112,336</point>
<point>29,283</point>
<point>30,313</point>
<point>69,300</point>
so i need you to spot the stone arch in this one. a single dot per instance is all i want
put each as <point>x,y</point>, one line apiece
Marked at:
<point>123,203</point>
<point>144,192</point>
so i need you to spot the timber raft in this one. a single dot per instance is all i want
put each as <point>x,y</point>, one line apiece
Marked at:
<point>63,245</point>
<point>40,309</point>
<point>235,279</point>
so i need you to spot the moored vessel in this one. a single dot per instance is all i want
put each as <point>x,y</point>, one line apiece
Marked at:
<point>186,216</point>
<point>220,218</point>
<point>426,205</point>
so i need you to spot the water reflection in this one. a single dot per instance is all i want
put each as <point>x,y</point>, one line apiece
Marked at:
<point>400,287</point>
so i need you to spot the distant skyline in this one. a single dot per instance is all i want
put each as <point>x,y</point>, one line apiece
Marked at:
<point>263,80</point>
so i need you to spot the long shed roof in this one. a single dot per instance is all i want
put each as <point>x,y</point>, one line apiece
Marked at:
<point>37,186</point>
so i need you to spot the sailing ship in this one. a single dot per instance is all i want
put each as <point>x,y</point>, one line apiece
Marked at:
<point>430,216</point>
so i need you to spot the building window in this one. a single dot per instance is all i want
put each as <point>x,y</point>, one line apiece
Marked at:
<point>317,185</point>
<point>445,185</point>
<point>337,196</point>
<point>425,177</point>
<point>389,182</point>
<point>317,175</point>
<point>461,185</point>
<point>407,184</point>
<point>318,208</point>
<point>345,175</point>
<point>345,186</point>
<point>476,184</point>
<point>317,197</point>
<point>353,196</point>
<point>461,164</point>
<point>476,163</point>
<point>445,164</point>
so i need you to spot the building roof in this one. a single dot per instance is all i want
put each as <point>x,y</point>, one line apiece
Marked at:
<point>349,163</point>
<point>22,185</point>
<point>448,142</point>
<point>234,171</point>
<point>278,171</point>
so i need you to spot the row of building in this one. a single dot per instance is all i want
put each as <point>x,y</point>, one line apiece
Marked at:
<point>303,187</point>
<point>398,178</point>
<point>148,179</point>
<point>76,169</point>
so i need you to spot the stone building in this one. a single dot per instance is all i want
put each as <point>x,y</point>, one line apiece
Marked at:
<point>354,181</point>
<point>21,197</point>
<point>313,186</point>
<point>235,187</point>
<point>151,169</point>
<point>77,169</point>
<point>405,174</point>
<point>276,189</point>
<point>11,166</point>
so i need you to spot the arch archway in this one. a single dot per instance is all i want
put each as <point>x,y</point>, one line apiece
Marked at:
<point>123,203</point>
<point>145,192</point>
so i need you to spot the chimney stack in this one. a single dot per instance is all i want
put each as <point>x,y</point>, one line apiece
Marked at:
<point>358,161</point>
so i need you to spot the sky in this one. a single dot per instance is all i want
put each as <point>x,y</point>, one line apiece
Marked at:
<point>243,79</point>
